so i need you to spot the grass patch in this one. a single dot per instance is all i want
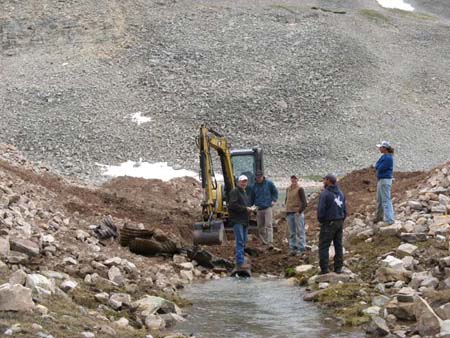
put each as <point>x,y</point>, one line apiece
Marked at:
<point>345,300</point>
<point>368,254</point>
<point>289,9</point>
<point>374,15</point>
<point>414,15</point>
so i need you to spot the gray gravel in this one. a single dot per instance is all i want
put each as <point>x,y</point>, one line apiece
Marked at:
<point>314,88</point>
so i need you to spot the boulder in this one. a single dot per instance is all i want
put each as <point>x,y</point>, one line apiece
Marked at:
<point>378,327</point>
<point>390,230</point>
<point>15,297</point>
<point>154,322</point>
<point>445,329</point>
<point>149,305</point>
<point>301,269</point>
<point>404,311</point>
<point>406,249</point>
<point>25,246</point>
<point>115,275</point>
<point>443,311</point>
<point>18,277</point>
<point>4,246</point>
<point>40,285</point>
<point>428,323</point>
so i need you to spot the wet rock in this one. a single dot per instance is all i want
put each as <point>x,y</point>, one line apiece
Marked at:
<point>150,305</point>
<point>24,246</point>
<point>15,297</point>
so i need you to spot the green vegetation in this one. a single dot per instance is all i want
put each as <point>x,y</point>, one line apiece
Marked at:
<point>368,253</point>
<point>287,8</point>
<point>374,15</point>
<point>346,302</point>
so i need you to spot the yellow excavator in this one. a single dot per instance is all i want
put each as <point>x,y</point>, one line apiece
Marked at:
<point>215,194</point>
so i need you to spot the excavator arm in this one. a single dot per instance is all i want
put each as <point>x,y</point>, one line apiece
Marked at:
<point>212,192</point>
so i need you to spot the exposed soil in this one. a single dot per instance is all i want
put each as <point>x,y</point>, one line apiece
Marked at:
<point>175,206</point>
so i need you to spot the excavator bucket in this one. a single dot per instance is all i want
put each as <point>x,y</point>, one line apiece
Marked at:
<point>208,233</point>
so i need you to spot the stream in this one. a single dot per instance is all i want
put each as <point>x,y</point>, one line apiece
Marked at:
<point>255,308</point>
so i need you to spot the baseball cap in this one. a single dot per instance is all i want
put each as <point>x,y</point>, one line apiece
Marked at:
<point>243,178</point>
<point>259,173</point>
<point>384,144</point>
<point>330,177</point>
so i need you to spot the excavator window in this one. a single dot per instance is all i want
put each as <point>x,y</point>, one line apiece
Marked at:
<point>244,164</point>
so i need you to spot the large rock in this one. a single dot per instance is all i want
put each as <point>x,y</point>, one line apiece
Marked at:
<point>428,323</point>
<point>40,285</point>
<point>413,237</point>
<point>15,297</point>
<point>393,263</point>
<point>445,329</point>
<point>304,268</point>
<point>18,277</point>
<point>378,327</point>
<point>443,311</point>
<point>406,249</point>
<point>4,246</point>
<point>154,322</point>
<point>149,305</point>
<point>115,275</point>
<point>404,311</point>
<point>391,230</point>
<point>25,246</point>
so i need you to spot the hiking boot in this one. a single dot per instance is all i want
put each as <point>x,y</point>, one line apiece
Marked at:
<point>323,272</point>
<point>292,253</point>
<point>338,271</point>
<point>244,266</point>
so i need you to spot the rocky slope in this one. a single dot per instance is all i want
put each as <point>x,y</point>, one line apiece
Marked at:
<point>323,81</point>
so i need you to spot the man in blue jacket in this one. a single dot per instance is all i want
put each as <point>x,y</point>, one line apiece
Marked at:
<point>385,169</point>
<point>331,214</point>
<point>264,195</point>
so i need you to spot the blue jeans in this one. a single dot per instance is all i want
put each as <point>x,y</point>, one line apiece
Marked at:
<point>240,236</point>
<point>384,203</point>
<point>296,224</point>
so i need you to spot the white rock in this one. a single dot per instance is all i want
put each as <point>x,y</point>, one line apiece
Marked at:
<point>113,261</point>
<point>372,311</point>
<point>115,275</point>
<point>406,249</point>
<point>4,246</point>
<point>18,277</point>
<point>187,275</point>
<point>68,285</point>
<point>324,285</point>
<point>186,266</point>
<point>70,261</point>
<point>82,235</point>
<point>40,285</point>
<point>122,323</point>
<point>87,334</point>
<point>393,262</point>
<point>303,268</point>
<point>15,298</point>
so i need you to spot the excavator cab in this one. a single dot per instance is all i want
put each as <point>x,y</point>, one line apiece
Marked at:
<point>215,194</point>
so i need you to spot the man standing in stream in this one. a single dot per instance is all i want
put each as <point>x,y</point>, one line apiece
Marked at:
<point>264,195</point>
<point>331,214</point>
<point>239,212</point>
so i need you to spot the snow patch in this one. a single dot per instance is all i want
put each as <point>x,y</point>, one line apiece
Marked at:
<point>397,4</point>
<point>146,170</point>
<point>139,118</point>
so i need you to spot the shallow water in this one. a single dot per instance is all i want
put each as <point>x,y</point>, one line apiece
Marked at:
<point>251,308</point>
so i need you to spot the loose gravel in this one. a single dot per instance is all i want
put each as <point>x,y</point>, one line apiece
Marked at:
<point>316,84</point>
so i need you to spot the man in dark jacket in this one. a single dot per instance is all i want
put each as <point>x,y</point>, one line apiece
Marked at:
<point>331,214</point>
<point>239,211</point>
